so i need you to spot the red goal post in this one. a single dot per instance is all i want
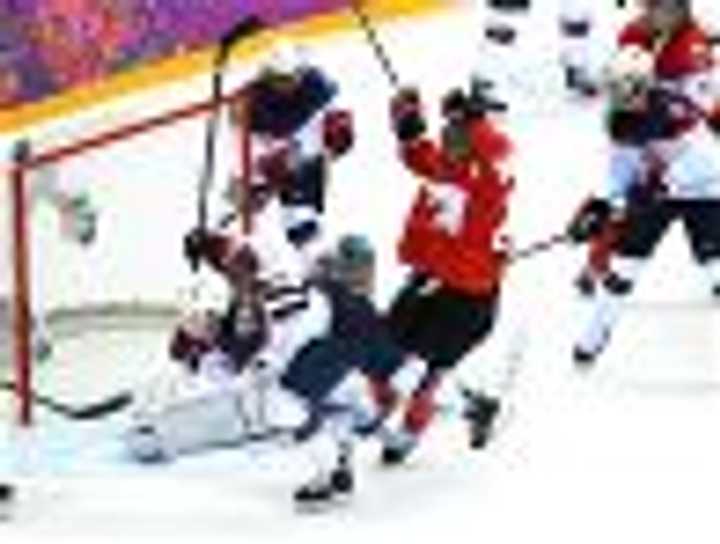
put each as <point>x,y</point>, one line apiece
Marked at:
<point>25,256</point>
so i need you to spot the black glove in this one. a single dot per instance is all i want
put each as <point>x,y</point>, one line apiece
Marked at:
<point>406,115</point>
<point>195,244</point>
<point>590,220</point>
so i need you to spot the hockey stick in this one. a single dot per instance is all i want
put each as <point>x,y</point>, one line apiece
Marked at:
<point>244,28</point>
<point>539,247</point>
<point>96,410</point>
<point>372,37</point>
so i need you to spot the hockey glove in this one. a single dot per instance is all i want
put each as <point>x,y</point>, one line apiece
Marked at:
<point>200,245</point>
<point>338,133</point>
<point>590,220</point>
<point>406,115</point>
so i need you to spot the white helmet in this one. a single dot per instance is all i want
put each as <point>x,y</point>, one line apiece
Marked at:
<point>285,58</point>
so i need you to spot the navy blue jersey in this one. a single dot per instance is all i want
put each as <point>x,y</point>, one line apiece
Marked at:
<point>281,114</point>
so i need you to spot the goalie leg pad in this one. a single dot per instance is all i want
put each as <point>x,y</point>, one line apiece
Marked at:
<point>213,419</point>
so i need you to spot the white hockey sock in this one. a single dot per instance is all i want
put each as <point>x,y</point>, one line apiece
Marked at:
<point>607,307</point>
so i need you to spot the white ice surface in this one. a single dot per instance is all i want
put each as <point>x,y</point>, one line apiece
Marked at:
<point>628,453</point>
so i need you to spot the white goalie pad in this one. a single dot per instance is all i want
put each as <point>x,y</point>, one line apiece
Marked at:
<point>181,413</point>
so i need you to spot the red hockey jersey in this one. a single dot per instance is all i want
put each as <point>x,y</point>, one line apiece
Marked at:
<point>452,230</point>
<point>678,60</point>
<point>687,52</point>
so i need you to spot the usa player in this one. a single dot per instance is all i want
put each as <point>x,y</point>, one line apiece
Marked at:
<point>296,131</point>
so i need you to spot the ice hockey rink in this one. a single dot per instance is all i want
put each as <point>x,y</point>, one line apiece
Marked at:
<point>625,453</point>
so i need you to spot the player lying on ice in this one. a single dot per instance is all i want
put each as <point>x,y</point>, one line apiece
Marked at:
<point>664,162</point>
<point>449,303</point>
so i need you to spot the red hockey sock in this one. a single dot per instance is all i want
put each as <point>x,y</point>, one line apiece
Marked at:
<point>384,396</point>
<point>421,409</point>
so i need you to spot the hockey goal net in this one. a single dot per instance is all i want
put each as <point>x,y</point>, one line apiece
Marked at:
<point>82,318</point>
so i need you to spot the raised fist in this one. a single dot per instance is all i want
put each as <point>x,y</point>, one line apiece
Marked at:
<point>406,114</point>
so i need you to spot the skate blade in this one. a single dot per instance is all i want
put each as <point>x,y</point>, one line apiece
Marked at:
<point>338,502</point>
<point>499,427</point>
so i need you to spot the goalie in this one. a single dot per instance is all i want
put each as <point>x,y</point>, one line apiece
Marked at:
<point>279,364</point>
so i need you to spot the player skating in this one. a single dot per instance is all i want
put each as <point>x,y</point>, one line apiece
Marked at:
<point>664,163</point>
<point>449,303</point>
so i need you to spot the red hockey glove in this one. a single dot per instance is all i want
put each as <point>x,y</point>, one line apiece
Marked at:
<point>406,115</point>
<point>188,346</point>
<point>338,132</point>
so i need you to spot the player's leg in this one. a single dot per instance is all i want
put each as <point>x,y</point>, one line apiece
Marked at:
<point>643,231</point>
<point>7,500</point>
<point>600,251</point>
<point>452,324</point>
<point>500,23</point>
<point>329,441</point>
<point>320,376</point>
<point>358,325</point>
<point>403,323</point>
<point>701,219</point>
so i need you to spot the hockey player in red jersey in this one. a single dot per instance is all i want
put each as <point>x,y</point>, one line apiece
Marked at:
<point>682,68</point>
<point>664,161</point>
<point>449,304</point>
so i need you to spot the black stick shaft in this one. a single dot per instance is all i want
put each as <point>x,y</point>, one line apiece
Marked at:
<point>539,247</point>
<point>374,41</point>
